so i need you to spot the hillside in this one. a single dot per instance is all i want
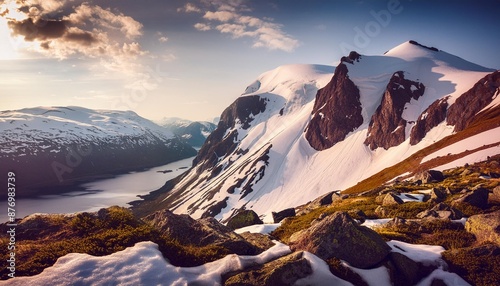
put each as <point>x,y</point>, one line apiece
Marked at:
<point>193,133</point>
<point>299,131</point>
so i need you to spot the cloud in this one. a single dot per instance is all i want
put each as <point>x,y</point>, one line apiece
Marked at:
<point>162,39</point>
<point>189,8</point>
<point>233,20</point>
<point>202,27</point>
<point>59,29</point>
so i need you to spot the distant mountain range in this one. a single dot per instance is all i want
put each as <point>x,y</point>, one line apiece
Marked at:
<point>52,147</point>
<point>193,133</point>
<point>301,131</point>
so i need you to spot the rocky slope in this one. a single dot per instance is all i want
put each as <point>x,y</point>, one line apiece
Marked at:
<point>436,228</point>
<point>49,148</point>
<point>300,131</point>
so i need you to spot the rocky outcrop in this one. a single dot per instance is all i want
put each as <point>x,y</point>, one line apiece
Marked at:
<point>441,211</point>
<point>466,107</point>
<point>218,143</point>
<point>430,118</point>
<point>477,197</point>
<point>391,199</point>
<point>281,215</point>
<point>486,227</point>
<point>283,271</point>
<point>429,176</point>
<point>340,236</point>
<point>244,218</point>
<point>387,127</point>
<point>207,231</point>
<point>336,112</point>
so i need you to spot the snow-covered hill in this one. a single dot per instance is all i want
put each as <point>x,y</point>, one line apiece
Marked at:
<point>49,146</point>
<point>300,131</point>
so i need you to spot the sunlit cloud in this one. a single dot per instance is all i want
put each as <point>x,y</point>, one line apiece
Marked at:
<point>232,20</point>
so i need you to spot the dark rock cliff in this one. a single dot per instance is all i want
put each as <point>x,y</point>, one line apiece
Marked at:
<point>462,112</point>
<point>337,110</point>
<point>387,126</point>
<point>221,142</point>
<point>432,116</point>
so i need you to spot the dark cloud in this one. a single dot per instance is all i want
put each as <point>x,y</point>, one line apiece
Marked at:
<point>80,37</point>
<point>40,30</point>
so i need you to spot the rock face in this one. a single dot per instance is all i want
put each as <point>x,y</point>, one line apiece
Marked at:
<point>279,216</point>
<point>430,118</point>
<point>391,199</point>
<point>218,143</point>
<point>199,232</point>
<point>463,111</point>
<point>336,112</point>
<point>387,126</point>
<point>441,211</point>
<point>429,176</point>
<point>338,235</point>
<point>284,271</point>
<point>244,218</point>
<point>477,198</point>
<point>486,227</point>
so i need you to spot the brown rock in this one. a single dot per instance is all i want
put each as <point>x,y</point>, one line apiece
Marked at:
<point>441,211</point>
<point>336,111</point>
<point>466,107</point>
<point>207,231</point>
<point>261,241</point>
<point>387,127</point>
<point>429,176</point>
<point>477,197</point>
<point>430,118</point>
<point>340,236</point>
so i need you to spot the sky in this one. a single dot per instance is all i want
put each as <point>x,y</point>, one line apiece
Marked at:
<point>191,59</point>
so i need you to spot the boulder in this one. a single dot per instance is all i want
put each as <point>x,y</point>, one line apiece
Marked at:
<point>261,241</point>
<point>486,227</point>
<point>203,232</point>
<point>391,199</point>
<point>283,271</point>
<point>405,270</point>
<point>244,218</point>
<point>279,216</point>
<point>381,212</point>
<point>441,211</point>
<point>438,195</point>
<point>495,195</point>
<point>477,197</point>
<point>429,176</point>
<point>338,235</point>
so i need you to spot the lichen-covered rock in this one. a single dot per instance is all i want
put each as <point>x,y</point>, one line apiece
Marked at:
<point>283,271</point>
<point>244,218</point>
<point>202,232</point>
<point>261,241</point>
<point>340,236</point>
<point>438,195</point>
<point>486,227</point>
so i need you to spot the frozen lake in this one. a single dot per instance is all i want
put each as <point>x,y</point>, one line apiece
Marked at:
<point>119,190</point>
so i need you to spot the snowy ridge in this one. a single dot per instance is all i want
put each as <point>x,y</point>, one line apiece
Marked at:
<point>274,167</point>
<point>26,131</point>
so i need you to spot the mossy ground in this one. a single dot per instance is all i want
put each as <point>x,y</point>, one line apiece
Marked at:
<point>87,233</point>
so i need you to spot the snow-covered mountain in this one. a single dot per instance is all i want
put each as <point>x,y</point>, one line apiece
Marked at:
<point>52,146</point>
<point>192,132</point>
<point>300,131</point>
